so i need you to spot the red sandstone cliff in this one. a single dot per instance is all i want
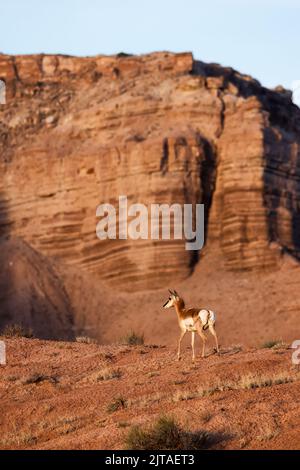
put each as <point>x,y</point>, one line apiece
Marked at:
<point>76,132</point>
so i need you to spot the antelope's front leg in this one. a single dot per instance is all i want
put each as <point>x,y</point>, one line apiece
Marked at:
<point>179,343</point>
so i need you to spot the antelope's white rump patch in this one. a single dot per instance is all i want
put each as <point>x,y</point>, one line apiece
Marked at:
<point>207,316</point>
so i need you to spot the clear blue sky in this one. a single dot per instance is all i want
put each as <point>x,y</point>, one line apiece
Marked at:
<point>259,37</point>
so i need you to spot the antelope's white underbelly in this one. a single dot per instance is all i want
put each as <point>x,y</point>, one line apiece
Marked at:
<point>189,324</point>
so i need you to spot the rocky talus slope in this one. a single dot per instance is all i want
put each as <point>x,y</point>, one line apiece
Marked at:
<point>32,296</point>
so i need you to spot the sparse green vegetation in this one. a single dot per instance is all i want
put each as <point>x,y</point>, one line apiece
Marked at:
<point>36,378</point>
<point>16,330</point>
<point>12,378</point>
<point>117,404</point>
<point>48,408</point>
<point>179,382</point>
<point>153,373</point>
<point>184,395</point>
<point>205,416</point>
<point>18,439</point>
<point>63,425</point>
<point>107,374</point>
<point>68,425</point>
<point>133,339</point>
<point>281,345</point>
<point>166,434</point>
<point>123,424</point>
<point>258,381</point>
<point>246,382</point>
<point>270,344</point>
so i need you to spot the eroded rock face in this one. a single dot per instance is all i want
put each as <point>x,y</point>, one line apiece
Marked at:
<point>161,128</point>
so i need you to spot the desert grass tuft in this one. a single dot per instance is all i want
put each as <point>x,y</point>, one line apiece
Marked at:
<point>18,439</point>
<point>36,378</point>
<point>17,331</point>
<point>108,374</point>
<point>117,404</point>
<point>270,344</point>
<point>205,416</point>
<point>123,424</point>
<point>259,381</point>
<point>166,434</point>
<point>244,382</point>
<point>133,339</point>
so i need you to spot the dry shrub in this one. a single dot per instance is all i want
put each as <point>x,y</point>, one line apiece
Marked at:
<point>133,339</point>
<point>117,404</point>
<point>17,331</point>
<point>166,434</point>
<point>108,374</point>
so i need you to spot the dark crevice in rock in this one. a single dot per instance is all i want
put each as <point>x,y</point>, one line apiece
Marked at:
<point>222,114</point>
<point>164,161</point>
<point>208,172</point>
<point>15,69</point>
<point>5,222</point>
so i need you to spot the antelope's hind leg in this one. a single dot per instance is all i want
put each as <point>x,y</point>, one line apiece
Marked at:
<point>193,346</point>
<point>203,337</point>
<point>213,332</point>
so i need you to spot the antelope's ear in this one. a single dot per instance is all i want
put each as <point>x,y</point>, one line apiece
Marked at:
<point>175,293</point>
<point>172,293</point>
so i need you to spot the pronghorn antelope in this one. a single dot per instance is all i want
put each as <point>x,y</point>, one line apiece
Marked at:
<point>193,320</point>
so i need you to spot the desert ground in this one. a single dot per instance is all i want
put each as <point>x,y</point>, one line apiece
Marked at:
<point>74,395</point>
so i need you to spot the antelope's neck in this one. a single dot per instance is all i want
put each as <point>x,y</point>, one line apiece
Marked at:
<point>178,311</point>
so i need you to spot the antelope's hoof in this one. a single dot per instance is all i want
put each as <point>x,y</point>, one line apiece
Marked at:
<point>178,358</point>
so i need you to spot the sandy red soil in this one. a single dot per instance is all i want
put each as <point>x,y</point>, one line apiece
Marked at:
<point>66,405</point>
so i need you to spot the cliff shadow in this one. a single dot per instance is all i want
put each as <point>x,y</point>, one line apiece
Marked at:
<point>208,171</point>
<point>207,176</point>
<point>282,174</point>
<point>33,299</point>
<point>5,223</point>
<point>5,275</point>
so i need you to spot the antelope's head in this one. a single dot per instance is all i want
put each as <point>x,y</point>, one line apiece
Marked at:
<point>172,300</point>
